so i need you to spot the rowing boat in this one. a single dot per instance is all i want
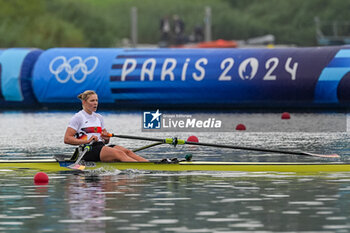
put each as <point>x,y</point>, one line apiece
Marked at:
<point>297,167</point>
<point>61,163</point>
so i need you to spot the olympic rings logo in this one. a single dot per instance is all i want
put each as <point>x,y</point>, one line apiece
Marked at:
<point>75,68</point>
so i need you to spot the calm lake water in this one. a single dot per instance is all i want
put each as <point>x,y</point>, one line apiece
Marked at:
<point>138,201</point>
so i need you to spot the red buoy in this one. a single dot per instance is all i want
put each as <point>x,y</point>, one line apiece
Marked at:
<point>240,127</point>
<point>192,139</point>
<point>41,178</point>
<point>285,116</point>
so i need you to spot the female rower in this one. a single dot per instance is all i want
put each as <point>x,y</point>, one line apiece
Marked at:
<point>87,126</point>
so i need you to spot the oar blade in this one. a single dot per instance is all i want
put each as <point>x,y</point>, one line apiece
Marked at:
<point>76,167</point>
<point>321,155</point>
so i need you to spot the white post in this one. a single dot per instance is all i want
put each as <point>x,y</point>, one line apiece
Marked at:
<point>134,26</point>
<point>207,22</point>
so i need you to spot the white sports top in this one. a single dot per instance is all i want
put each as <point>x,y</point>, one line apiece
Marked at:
<point>87,125</point>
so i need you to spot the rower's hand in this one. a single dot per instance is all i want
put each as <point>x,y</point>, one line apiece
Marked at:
<point>105,136</point>
<point>92,138</point>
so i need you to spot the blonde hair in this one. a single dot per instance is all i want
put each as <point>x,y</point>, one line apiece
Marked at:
<point>86,94</point>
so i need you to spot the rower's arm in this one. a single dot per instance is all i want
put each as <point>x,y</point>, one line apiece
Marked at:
<point>69,138</point>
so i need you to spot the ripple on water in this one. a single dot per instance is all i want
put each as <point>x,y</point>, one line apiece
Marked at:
<point>306,203</point>
<point>248,225</point>
<point>11,223</point>
<point>189,230</point>
<point>114,192</point>
<point>336,218</point>
<point>164,204</point>
<point>326,199</point>
<point>207,213</point>
<point>36,196</point>
<point>132,211</point>
<point>171,199</point>
<point>128,228</point>
<point>132,195</point>
<point>164,221</point>
<point>23,208</point>
<point>223,219</point>
<point>71,220</point>
<point>9,185</point>
<point>10,197</point>
<point>138,225</point>
<point>324,212</point>
<point>102,218</point>
<point>275,195</point>
<point>158,209</point>
<point>228,200</point>
<point>336,227</point>
<point>17,217</point>
<point>291,212</point>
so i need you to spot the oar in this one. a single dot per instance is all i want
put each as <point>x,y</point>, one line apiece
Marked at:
<point>147,146</point>
<point>175,141</point>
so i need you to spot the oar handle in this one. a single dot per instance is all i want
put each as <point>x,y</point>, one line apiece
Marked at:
<point>136,137</point>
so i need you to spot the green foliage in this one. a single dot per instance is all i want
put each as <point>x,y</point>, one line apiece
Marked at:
<point>87,18</point>
<point>28,24</point>
<point>105,23</point>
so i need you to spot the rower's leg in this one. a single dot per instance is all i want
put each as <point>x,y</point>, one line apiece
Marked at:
<point>109,154</point>
<point>131,154</point>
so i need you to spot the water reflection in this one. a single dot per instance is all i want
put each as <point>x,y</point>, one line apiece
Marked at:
<point>175,202</point>
<point>202,203</point>
<point>86,203</point>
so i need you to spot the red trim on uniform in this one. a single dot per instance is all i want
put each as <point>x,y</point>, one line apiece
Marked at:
<point>92,130</point>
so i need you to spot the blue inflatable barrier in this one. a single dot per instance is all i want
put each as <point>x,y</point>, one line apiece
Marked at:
<point>1,96</point>
<point>16,66</point>
<point>228,78</point>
